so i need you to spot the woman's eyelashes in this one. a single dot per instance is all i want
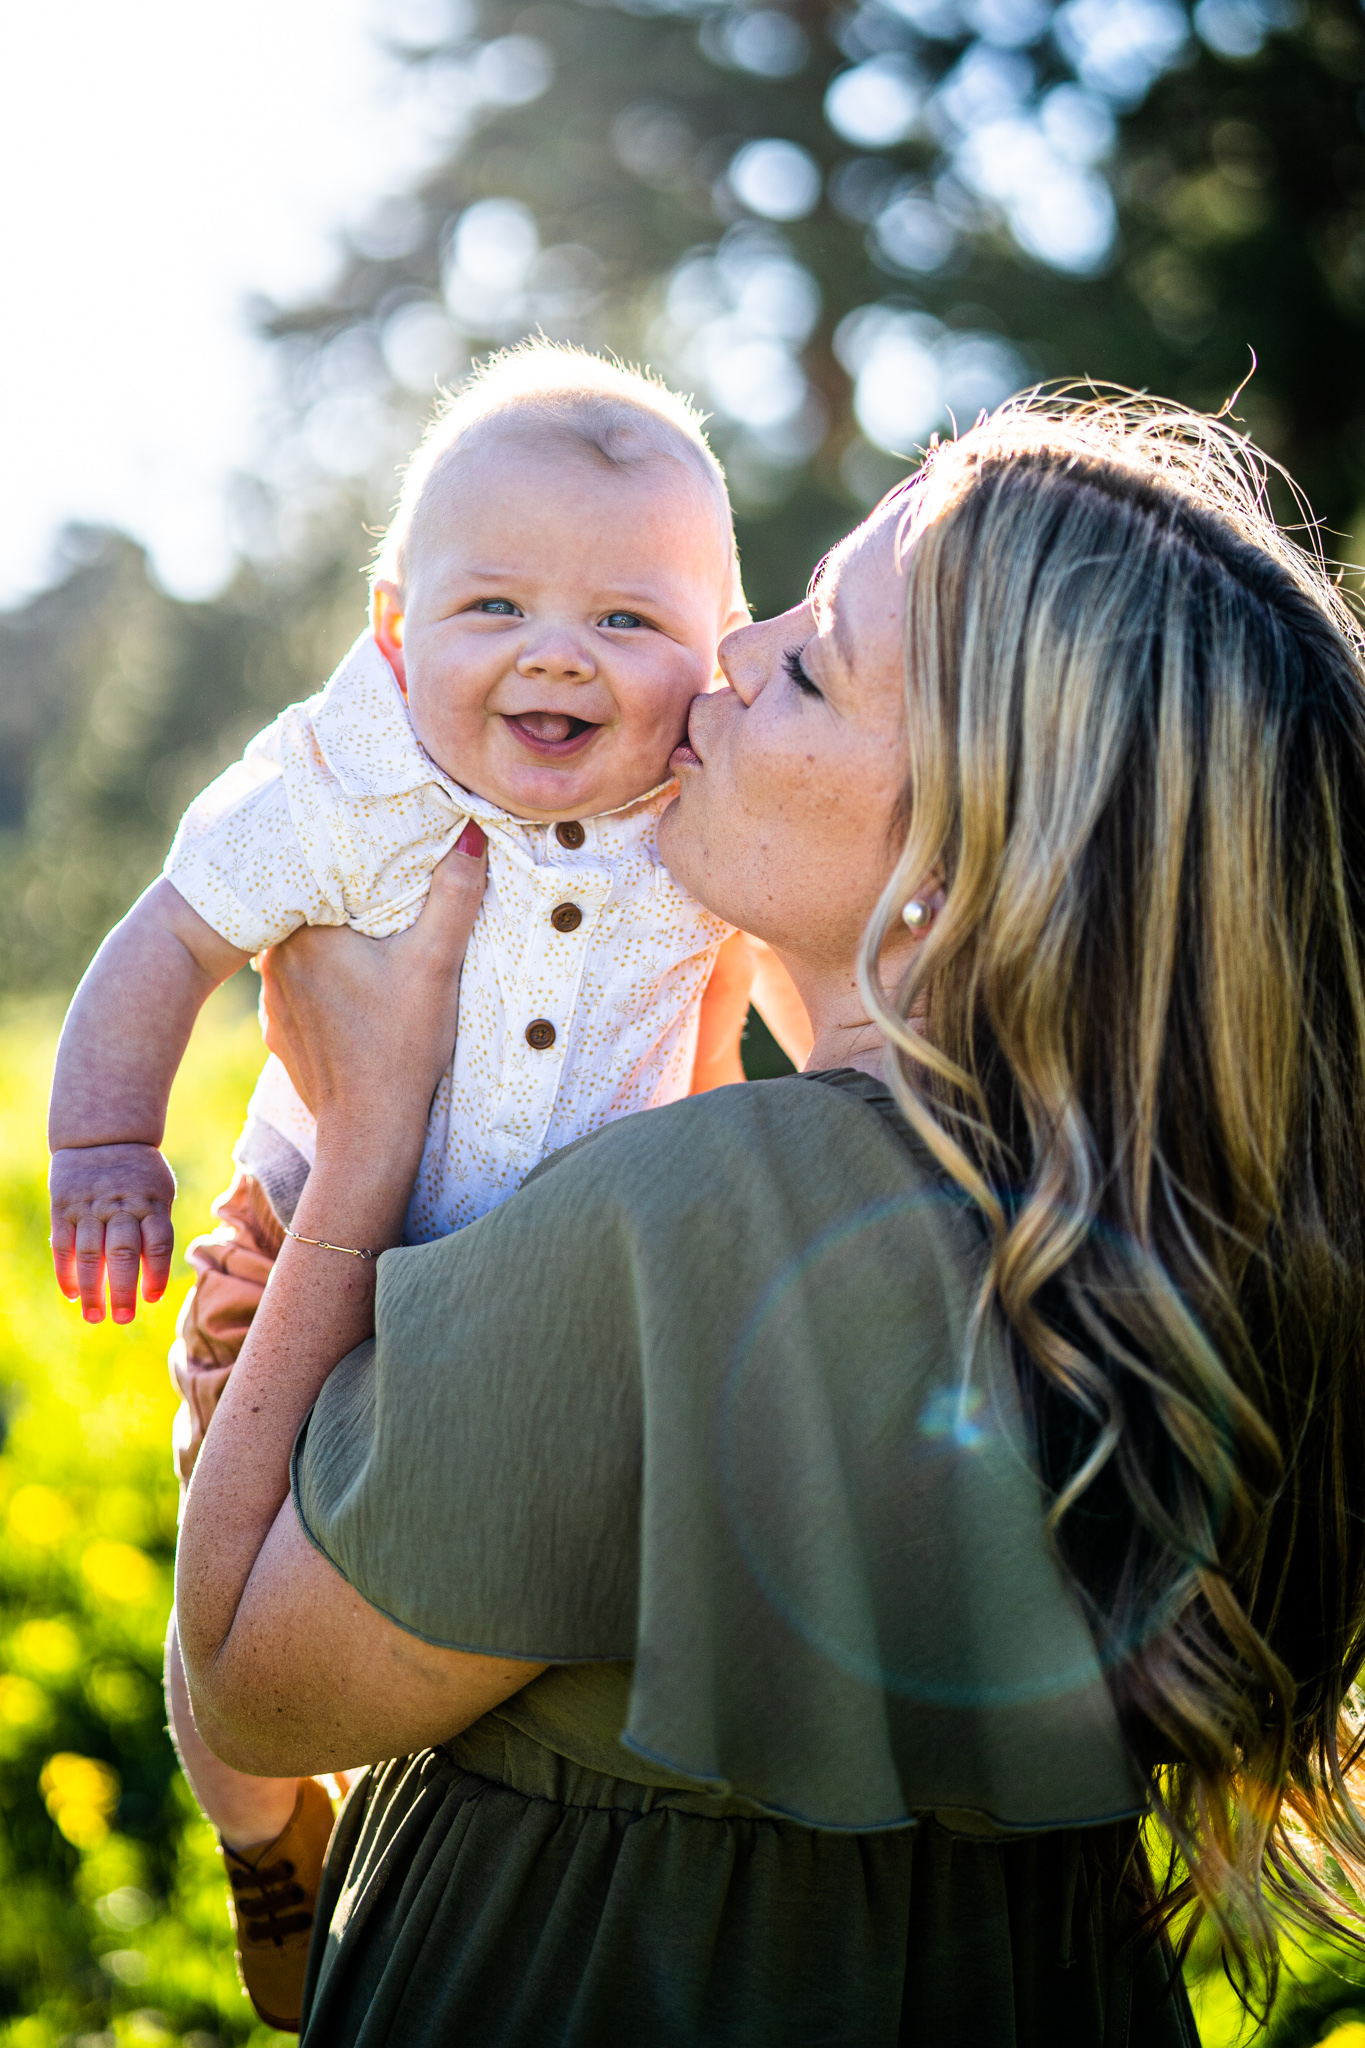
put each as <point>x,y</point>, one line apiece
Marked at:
<point>791,662</point>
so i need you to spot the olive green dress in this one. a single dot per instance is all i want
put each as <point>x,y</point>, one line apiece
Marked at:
<point>702,1418</point>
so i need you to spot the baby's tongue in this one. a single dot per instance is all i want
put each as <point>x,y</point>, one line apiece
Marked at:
<point>546,725</point>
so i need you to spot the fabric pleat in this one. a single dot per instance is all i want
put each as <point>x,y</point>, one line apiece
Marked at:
<point>469,1914</point>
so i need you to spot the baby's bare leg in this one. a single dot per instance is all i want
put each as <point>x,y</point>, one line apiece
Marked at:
<point>247,1812</point>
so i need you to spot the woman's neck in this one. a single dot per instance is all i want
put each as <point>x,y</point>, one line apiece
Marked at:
<point>844,1036</point>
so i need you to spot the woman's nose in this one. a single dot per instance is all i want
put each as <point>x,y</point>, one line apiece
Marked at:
<point>740,656</point>
<point>750,655</point>
<point>559,657</point>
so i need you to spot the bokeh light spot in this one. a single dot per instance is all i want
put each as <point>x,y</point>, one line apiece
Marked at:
<point>876,104</point>
<point>120,1572</point>
<point>777,179</point>
<point>80,1794</point>
<point>39,1516</point>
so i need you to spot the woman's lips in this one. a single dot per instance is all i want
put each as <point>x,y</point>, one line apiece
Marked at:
<point>685,755</point>
<point>551,734</point>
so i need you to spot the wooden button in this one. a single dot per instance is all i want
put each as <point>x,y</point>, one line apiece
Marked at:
<point>566,917</point>
<point>540,1034</point>
<point>570,833</point>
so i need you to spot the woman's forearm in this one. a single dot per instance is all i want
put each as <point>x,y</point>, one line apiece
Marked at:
<point>365,1028</point>
<point>317,1306</point>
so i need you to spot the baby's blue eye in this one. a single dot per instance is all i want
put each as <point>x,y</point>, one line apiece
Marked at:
<point>622,619</point>
<point>502,607</point>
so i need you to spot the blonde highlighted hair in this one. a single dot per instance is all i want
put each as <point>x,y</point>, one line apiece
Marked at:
<point>1136,717</point>
<point>624,417</point>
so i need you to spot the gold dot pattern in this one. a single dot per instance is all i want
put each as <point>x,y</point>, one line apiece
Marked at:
<point>336,815</point>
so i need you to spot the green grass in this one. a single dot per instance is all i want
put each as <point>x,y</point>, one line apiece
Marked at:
<point>113,1916</point>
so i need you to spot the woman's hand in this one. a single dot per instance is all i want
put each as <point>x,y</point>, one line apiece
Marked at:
<point>366,1027</point>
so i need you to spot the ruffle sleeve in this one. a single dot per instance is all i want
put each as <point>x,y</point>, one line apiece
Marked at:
<point>704,1395</point>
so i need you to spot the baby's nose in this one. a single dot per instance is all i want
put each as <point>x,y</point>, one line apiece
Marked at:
<point>559,655</point>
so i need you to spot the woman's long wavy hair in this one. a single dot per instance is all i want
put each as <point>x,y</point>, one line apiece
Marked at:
<point>1136,716</point>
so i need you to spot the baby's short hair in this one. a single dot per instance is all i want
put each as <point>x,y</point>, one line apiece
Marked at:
<point>626,416</point>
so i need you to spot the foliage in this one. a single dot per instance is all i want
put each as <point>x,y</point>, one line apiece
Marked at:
<point>117,704</point>
<point>848,226</point>
<point>114,1923</point>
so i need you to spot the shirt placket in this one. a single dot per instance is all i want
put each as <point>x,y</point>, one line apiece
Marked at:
<point>567,903</point>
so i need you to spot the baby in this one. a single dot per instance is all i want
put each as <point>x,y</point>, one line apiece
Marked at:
<point>546,604</point>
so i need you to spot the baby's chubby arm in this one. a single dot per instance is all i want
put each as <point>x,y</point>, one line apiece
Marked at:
<point>124,1037</point>
<point>746,971</point>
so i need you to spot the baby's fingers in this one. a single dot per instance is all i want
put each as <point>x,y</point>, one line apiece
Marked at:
<point>122,1257</point>
<point>158,1242</point>
<point>90,1267</point>
<point>64,1253</point>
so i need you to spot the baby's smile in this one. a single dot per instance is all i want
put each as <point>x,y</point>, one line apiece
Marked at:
<point>553,735</point>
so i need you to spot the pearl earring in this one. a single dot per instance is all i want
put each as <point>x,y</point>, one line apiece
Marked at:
<point>917,914</point>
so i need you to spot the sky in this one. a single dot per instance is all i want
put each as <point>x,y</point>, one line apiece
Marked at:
<point>160,162</point>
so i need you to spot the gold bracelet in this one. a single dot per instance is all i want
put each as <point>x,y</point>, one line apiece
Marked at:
<point>351,1251</point>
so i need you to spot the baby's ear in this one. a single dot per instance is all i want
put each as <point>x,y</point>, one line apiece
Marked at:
<point>386,623</point>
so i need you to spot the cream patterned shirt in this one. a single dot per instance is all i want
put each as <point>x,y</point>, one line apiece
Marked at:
<point>584,975</point>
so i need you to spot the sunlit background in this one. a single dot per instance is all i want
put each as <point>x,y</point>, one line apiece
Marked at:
<point>181,172</point>
<point>242,248</point>
<point>162,165</point>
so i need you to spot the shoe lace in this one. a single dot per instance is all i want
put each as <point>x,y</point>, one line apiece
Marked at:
<point>266,1898</point>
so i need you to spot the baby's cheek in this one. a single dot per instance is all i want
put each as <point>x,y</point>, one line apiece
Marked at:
<point>660,709</point>
<point>448,723</point>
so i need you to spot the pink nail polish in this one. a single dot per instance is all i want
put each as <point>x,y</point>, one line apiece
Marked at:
<point>471,841</point>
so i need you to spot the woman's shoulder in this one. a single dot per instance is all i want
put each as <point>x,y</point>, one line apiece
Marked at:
<point>701,1204</point>
<point>800,1133</point>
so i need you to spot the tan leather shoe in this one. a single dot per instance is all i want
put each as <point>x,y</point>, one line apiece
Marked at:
<point>274,1894</point>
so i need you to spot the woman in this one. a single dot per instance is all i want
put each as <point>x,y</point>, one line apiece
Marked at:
<point>681,1529</point>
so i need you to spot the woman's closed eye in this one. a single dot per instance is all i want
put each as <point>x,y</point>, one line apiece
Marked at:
<point>791,662</point>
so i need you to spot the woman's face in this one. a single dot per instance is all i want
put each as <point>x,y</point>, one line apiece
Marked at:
<point>789,780</point>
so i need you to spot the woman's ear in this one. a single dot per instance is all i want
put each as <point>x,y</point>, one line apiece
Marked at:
<point>386,621</point>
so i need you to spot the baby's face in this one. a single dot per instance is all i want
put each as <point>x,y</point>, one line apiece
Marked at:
<point>560,617</point>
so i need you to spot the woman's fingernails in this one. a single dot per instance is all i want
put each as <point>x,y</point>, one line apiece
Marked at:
<point>471,840</point>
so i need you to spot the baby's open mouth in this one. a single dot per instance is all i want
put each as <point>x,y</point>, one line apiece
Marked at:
<point>553,733</point>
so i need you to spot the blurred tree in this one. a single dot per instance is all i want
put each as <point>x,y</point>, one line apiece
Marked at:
<point>118,703</point>
<point>847,227</point>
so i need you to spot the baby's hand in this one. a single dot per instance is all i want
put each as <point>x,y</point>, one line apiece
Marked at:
<point>111,1211</point>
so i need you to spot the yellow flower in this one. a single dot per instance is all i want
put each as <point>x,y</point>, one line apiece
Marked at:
<point>80,1794</point>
